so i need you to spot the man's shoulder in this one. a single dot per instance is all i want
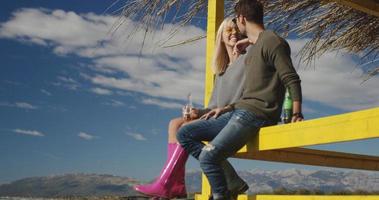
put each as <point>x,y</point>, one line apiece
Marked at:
<point>272,39</point>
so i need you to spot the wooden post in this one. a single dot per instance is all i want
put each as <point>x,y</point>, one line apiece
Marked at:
<point>215,17</point>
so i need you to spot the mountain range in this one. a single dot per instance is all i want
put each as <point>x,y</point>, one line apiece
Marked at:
<point>259,181</point>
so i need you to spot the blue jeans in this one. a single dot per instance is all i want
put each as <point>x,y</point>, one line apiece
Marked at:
<point>227,134</point>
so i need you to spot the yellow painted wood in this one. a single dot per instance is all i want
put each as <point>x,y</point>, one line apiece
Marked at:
<point>214,19</point>
<point>240,197</point>
<point>314,157</point>
<point>315,197</point>
<point>299,197</point>
<point>370,7</point>
<point>273,143</point>
<point>338,128</point>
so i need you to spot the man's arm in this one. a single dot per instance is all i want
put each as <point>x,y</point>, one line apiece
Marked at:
<point>281,57</point>
<point>296,110</point>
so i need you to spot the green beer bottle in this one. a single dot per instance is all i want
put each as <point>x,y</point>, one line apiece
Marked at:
<point>287,108</point>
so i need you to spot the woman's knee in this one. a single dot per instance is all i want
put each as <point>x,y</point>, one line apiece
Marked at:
<point>176,123</point>
<point>182,134</point>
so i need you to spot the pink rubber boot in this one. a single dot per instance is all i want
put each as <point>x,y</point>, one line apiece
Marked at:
<point>171,182</point>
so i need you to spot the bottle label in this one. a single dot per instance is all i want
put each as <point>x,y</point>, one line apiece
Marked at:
<point>287,101</point>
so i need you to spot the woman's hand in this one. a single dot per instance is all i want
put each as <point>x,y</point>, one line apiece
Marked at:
<point>216,112</point>
<point>194,114</point>
<point>191,115</point>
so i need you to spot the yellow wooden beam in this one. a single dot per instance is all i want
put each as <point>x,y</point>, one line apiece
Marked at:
<point>214,19</point>
<point>314,197</point>
<point>314,157</point>
<point>338,128</point>
<point>299,197</point>
<point>370,7</point>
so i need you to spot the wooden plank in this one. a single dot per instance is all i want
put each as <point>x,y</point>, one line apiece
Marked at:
<point>370,7</point>
<point>313,197</point>
<point>214,19</point>
<point>314,157</point>
<point>338,128</point>
<point>298,197</point>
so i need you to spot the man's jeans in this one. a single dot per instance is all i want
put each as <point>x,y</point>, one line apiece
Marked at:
<point>228,133</point>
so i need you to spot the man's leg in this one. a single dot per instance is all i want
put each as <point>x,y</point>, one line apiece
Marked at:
<point>240,128</point>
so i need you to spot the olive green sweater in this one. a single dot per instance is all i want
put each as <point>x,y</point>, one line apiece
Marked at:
<point>268,71</point>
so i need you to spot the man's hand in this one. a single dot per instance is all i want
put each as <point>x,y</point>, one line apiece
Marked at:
<point>240,47</point>
<point>297,119</point>
<point>216,112</point>
<point>296,110</point>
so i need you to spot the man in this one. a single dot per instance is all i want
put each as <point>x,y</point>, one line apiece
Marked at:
<point>268,70</point>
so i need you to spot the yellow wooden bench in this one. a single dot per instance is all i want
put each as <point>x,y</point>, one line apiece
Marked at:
<point>285,143</point>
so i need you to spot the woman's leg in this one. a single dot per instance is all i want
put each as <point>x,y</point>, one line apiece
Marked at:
<point>170,182</point>
<point>173,128</point>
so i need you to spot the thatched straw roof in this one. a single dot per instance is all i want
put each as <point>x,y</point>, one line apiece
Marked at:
<point>329,25</point>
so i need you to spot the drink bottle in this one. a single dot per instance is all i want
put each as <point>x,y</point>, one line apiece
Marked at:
<point>188,107</point>
<point>287,108</point>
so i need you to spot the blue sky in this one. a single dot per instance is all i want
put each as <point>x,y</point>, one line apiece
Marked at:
<point>73,99</point>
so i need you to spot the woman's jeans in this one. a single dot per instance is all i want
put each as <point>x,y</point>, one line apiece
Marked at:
<point>227,134</point>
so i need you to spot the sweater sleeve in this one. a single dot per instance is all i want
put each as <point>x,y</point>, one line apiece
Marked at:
<point>281,59</point>
<point>212,101</point>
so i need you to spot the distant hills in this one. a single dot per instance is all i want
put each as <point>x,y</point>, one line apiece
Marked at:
<point>260,181</point>
<point>69,185</point>
<point>326,181</point>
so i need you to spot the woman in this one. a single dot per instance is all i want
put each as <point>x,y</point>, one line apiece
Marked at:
<point>228,88</point>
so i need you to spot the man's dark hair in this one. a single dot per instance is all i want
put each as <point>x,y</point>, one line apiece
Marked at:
<point>251,9</point>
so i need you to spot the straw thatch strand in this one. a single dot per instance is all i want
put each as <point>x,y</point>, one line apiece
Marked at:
<point>329,26</point>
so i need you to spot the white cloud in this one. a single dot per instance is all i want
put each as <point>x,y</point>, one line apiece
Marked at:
<point>13,82</point>
<point>29,132</point>
<point>114,103</point>
<point>22,105</point>
<point>163,104</point>
<point>25,105</point>
<point>136,136</point>
<point>43,26</point>
<point>46,92</point>
<point>336,81</point>
<point>67,82</point>
<point>101,91</point>
<point>86,136</point>
<point>154,77</point>
<point>67,79</point>
<point>169,73</point>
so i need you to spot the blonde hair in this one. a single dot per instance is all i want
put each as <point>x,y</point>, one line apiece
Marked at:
<point>220,56</point>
